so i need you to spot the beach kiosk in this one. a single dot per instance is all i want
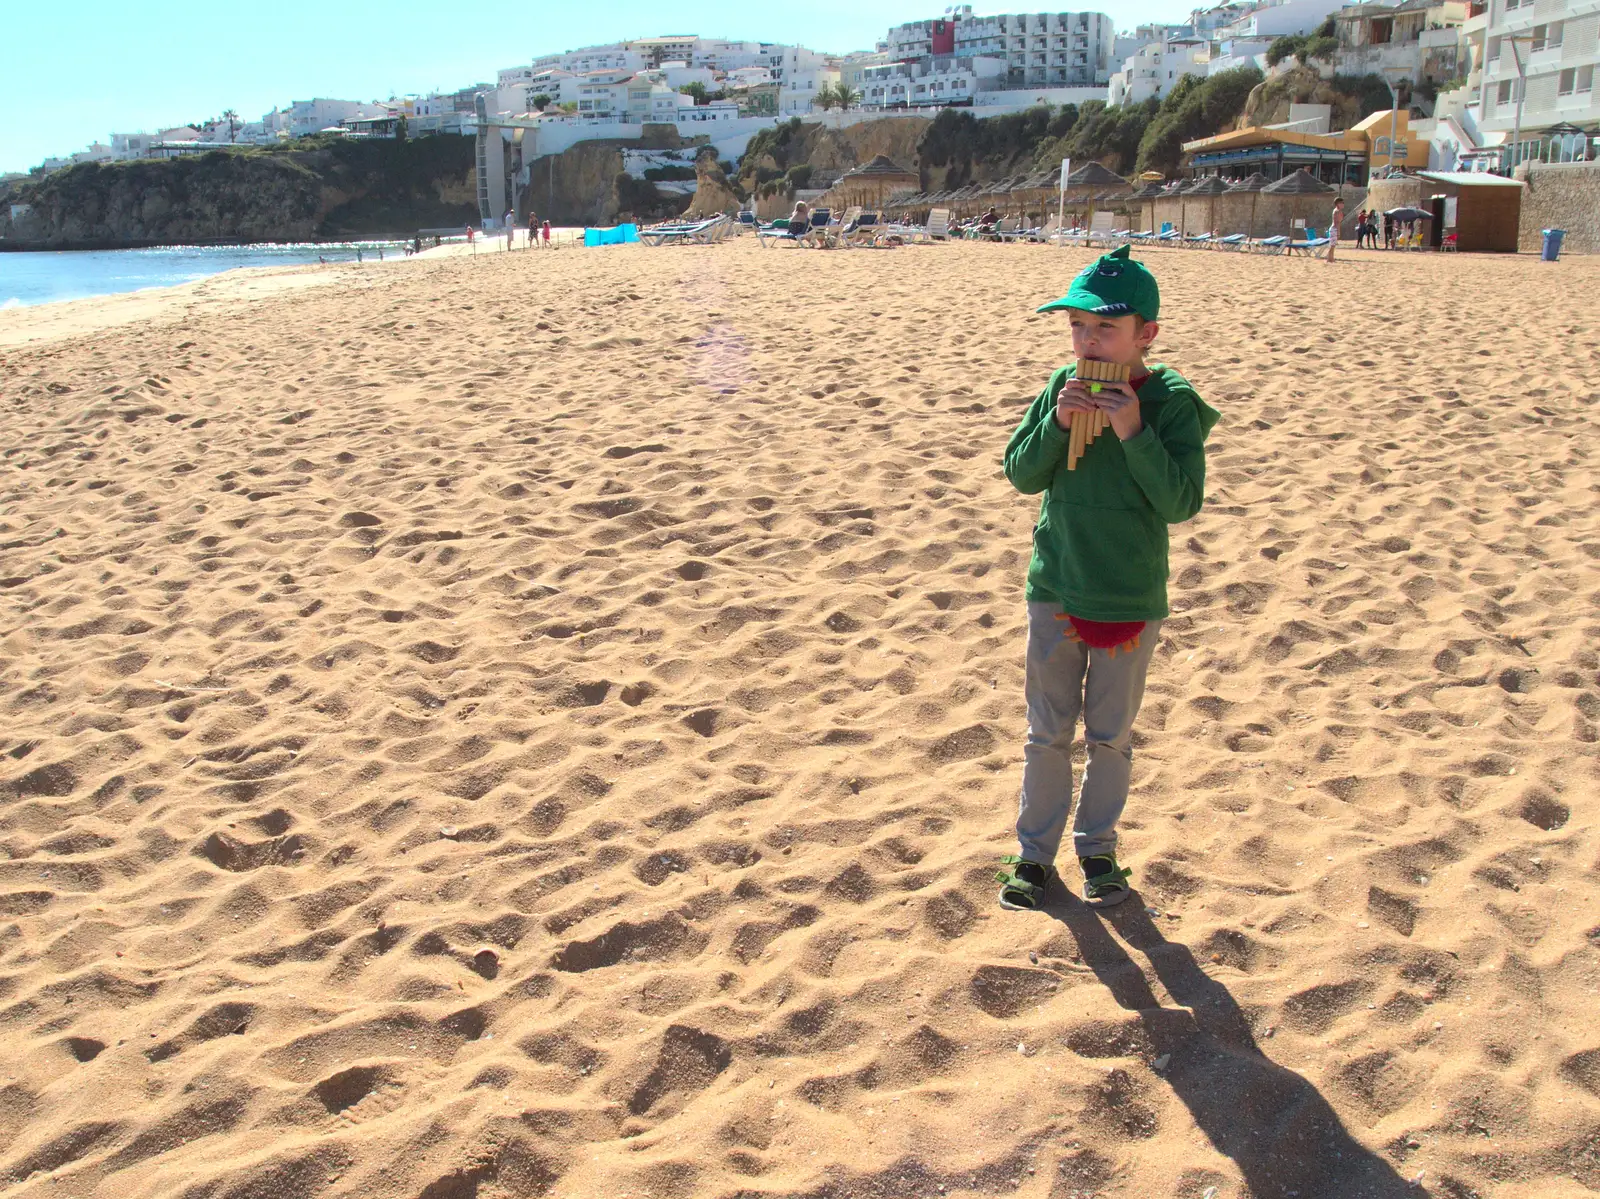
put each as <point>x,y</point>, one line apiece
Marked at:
<point>1481,210</point>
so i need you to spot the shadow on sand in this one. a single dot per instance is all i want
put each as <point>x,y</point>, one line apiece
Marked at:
<point>1285,1138</point>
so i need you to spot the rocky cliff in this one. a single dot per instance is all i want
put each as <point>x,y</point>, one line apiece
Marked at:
<point>769,167</point>
<point>712,191</point>
<point>318,189</point>
<point>579,185</point>
<point>1352,97</point>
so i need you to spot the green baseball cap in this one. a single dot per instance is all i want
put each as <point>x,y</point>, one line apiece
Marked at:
<point>1112,285</point>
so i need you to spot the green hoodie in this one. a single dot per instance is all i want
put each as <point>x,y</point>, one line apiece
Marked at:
<point>1100,547</point>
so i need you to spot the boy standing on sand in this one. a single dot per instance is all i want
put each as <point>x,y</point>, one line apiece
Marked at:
<point>1097,583</point>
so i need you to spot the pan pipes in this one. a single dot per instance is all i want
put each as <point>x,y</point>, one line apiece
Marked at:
<point>1086,426</point>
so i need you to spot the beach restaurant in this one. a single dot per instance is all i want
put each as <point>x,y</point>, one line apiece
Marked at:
<point>1380,140</point>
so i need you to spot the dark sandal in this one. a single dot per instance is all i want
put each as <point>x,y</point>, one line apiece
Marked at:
<point>1104,882</point>
<point>1023,884</point>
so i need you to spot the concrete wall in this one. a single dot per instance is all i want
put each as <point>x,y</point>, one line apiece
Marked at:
<point>1400,191</point>
<point>1561,196</point>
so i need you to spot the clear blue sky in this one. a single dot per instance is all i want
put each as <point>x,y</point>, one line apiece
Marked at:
<point>69,76</point>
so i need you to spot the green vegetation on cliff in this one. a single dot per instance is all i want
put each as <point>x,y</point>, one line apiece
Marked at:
<point>958,147</point>
<point>314,188</point>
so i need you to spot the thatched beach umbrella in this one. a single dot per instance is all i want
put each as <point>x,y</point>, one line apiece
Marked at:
<point>1093,179</point>
<point>1301,186</point>
<point>962,197</point>
<point>1252,184</point>
<point>1037,190</point>
<point>1147,194</point>
<point>1209,186</point>
<point>871,182</point>
<point>995,192</point>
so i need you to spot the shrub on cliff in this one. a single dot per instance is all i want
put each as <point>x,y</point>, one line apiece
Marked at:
<point>1195,108</point>
<point>311,188</point>
<point>638,199</point>
<point>971,147</point>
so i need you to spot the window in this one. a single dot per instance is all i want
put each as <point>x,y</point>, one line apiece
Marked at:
<point>1503,93</point>
<point>1565,81</point>
<point>1555,36</point>
<point>1538,37</point>
<point>1586,79</point>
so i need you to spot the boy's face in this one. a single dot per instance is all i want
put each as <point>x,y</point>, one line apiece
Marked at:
<point>1123,339</point>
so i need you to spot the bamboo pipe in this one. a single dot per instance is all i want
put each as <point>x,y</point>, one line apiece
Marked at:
<point>1086,426</point>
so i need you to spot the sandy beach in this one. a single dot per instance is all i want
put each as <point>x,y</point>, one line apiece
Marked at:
<point>545,725</point>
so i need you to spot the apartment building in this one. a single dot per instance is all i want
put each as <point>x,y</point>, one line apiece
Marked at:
<point>929,82</point>
<point>1155,70</point>
<point>617,56</point>
<point>1277,19</point>
<point>1543,53</point>
<point>1420,39</point>
<point>1128,44</point>
<point>1063,49</point>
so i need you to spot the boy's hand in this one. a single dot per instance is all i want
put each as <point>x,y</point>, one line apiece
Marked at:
<point>1074,396</point>
<point>1121,405</point>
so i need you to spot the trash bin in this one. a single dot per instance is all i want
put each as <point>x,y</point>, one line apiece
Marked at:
<point>1552,244</point>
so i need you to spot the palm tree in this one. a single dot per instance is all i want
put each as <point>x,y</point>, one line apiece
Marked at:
<point>824,97</point>
<point>845,95</point>
<point>233,123</point>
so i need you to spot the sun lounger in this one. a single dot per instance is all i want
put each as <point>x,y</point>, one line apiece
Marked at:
<point>1234,241</point>
<point>834,233</point>
<point>863,231</point>
<point>817,234</point>
<point>1270,245</point>
<point>700,233</point>
<point>1009,229</point>
<point>1198,241</point>
<point>1313,247</point>
<point>937,229</point>
<point>780,232</point>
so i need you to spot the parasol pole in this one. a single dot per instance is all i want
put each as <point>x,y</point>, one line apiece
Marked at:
<point>1061,205</point>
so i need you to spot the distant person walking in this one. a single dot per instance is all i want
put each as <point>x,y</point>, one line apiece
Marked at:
<point>547,235</point>
<point>1333,228</point>
<point>1388,232</point>
<point>533,228</point>
<point>511,228</point>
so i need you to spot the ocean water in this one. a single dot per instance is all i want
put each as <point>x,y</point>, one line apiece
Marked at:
<point>43,278</point>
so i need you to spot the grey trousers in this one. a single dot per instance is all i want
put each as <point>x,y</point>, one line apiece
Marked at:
<point>1066,679</point>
